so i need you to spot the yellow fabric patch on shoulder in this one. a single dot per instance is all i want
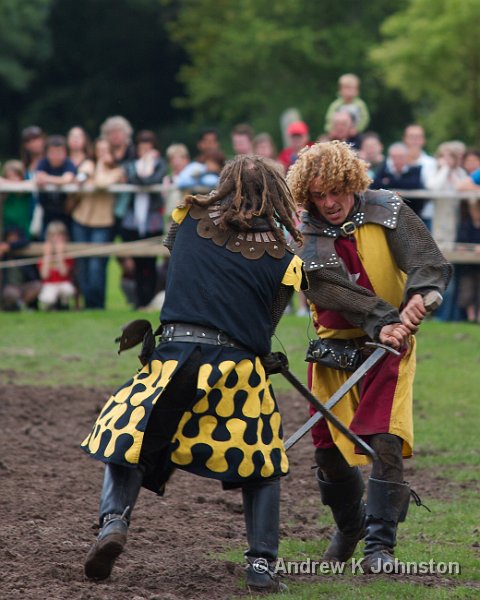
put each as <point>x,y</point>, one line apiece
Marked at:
<point>179,214</point>
<point>294,273</point>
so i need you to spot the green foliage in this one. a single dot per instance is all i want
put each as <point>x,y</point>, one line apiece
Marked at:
<point>158,61</point>
<point>65,62</point>
<point>252,59</point>
<point>24,41</point>
<point>109,57</point>
<point>431,53</point>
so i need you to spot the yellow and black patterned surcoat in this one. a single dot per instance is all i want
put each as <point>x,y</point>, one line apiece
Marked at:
<point>233,431</point>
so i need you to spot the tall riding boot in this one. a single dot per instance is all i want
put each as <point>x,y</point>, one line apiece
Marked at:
<point>121,486</point>
<point>348,509</point>
<point>261,504</point>
<point>387,505</point>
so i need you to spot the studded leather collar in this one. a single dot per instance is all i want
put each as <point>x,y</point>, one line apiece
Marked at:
<point>374,206</point>
<point>252,244</point>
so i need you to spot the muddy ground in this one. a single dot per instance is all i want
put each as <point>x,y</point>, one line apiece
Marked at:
<point>48,504</point>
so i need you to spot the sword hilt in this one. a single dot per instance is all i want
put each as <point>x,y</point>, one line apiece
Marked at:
<point>432,300</point>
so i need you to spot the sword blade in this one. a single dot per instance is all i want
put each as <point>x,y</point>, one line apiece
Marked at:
<point>336,397</point>
<point>329,416</point>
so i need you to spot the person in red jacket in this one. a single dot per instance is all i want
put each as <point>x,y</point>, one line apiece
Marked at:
<point>298,137</point>
<point>55,270</point>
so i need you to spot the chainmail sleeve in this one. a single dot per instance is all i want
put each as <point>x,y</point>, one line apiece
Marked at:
<point>171,235</point>
<point>417,255</point>
<point>331,290</point>
<point>280,303</point>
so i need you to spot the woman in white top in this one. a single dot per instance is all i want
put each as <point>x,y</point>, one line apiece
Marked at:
<point>93,220</point>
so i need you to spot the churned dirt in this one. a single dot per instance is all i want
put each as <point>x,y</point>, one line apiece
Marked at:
<point>49,498</point>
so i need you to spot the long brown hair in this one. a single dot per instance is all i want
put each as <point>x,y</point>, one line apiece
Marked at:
<point>249,187</point>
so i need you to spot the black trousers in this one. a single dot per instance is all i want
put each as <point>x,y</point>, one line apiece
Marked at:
<point>178,397</point>
<point>145,269</point>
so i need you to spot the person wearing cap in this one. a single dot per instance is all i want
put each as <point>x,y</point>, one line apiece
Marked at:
<point>298,137</point>
<point>32,150</point>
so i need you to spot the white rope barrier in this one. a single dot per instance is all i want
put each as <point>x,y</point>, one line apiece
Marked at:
<point>31,186</point>
<point>117,188</point>
<point>443,224</point>
<point>147,247</point>
<point>458,253</point>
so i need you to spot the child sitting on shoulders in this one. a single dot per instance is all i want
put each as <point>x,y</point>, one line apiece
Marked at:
<point>349,100</point>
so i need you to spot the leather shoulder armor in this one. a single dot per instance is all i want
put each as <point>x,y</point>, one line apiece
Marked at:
<point>381,207</point>
<point>374,206</point>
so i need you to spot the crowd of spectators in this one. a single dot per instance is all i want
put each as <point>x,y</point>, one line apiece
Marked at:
<point>95,214</point>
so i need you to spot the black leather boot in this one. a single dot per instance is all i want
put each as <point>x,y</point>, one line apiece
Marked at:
<point>261,504</point>
<point>119,494</point>
<point>387,505</point>
<point>348,509</point>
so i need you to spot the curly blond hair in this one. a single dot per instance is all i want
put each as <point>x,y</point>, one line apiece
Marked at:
<point>335,164</point>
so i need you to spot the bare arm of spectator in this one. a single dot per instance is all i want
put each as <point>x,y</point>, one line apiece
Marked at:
<point>21,185</point>
<point>43,178</point>
<point>85,171</point>
<point>467,185</point>
<point>437,179</point>
<point>151,176</point>
<point>105,176</point>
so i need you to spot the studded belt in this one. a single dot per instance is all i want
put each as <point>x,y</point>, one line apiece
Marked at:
<point>186,332</point>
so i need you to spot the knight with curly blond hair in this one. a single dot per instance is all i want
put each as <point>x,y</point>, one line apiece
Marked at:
<point>373,242</point>
<point>333,165</point>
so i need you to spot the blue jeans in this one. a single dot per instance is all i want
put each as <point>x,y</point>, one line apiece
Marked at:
<point>92,271</point>
<point>449,309</point>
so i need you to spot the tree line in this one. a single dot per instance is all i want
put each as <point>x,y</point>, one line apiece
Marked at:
<point>177,65</point>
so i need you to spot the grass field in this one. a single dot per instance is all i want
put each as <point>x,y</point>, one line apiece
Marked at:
<point>76,348</point>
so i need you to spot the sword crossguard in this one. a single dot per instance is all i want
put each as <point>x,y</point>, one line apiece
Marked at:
<point>375,345</point>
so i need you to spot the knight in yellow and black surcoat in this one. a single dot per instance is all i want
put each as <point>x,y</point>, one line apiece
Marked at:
<point>203,401</point>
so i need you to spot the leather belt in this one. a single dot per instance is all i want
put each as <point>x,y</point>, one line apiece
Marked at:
<point>186,332</point>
